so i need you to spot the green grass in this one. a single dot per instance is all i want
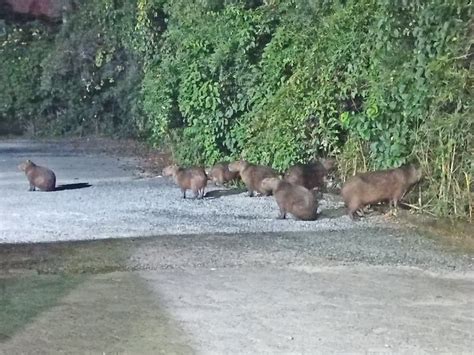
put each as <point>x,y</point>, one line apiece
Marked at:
<point>24,298</point>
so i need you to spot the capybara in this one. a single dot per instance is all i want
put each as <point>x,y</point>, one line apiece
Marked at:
<point>220,174</point>
<point>378,186</point>
<point>38,176</point>
<point>294,199</point>
<point>252,175</point>
<point>311,175</point>
<point>193,178</point>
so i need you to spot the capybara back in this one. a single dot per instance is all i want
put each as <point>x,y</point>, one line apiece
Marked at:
<point>221,175</point>
<point>378,186</point>
<point>252,175</point>
<point>294,199</point>
<point>311,175</point>
<point>193,178</point>
<point>38,176</point>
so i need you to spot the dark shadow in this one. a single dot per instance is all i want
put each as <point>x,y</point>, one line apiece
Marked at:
<point>80,185</point>
<point>223,193</point>
<point>332,213</point>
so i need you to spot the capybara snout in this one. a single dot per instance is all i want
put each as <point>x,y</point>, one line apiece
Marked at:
<point>379,186</point>
<point>193,178</point>
<point>38,176</point>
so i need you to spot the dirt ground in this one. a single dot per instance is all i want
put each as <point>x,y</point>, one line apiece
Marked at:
<point>214,276</point>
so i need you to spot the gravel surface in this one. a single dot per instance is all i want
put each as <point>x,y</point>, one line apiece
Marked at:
<point>121,203</point>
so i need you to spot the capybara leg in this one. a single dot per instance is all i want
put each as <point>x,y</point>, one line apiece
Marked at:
<point>250,193</point>
<point>282,214</point>
<point>200,193</point>
<point>352,208</point>
<point>32,188</point>
<point>184,192</point>
<point>395,206</point>
<point>350,213</point>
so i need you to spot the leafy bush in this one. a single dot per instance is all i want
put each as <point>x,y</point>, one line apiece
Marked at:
<point>79,78</point>
<point>21,51</point>
<point>92,75</point>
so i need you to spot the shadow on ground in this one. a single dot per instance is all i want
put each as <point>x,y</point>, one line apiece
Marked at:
<point>223,193</point>
<point>80,185</point>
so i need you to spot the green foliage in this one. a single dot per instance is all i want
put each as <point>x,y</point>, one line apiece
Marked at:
<point>21,52</point>
<point>91,77</point>
<point>80,78</point>
<point>205,76</point>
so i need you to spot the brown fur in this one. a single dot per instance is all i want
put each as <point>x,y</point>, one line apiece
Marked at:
<point>311,175</point>
<point>294,199</point>
<point>38,176</point>
<point>220,174</point>
<point>194,179</point>
<point>378,186</point>
<point>252,175</point>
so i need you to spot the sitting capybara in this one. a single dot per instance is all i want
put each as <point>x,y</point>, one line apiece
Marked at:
<point>38,176</point>
<point>378,186</point>
<point>294,199</point>
<point>193,178</point>
<point>252,175</point>
<point>220,174</point>
<point>311,175</point>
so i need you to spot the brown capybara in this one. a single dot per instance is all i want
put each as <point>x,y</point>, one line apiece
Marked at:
<point>311,175</point>
<point>194,178</point>
<point>220,174</point>
<point>252,175</point>
<point>378,186</point>
<point>294,199</point>
<point>38,176</point>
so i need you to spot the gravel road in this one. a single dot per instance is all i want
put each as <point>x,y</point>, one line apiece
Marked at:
<point>215,276</point>
<point>120,203</point>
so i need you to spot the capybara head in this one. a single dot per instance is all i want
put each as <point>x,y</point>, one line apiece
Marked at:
<point>238,166</point>
<point>170,170</point>
<point>328,163</point>
<point>270,184</point>
<point>26,165</point>
<point>415,173</point>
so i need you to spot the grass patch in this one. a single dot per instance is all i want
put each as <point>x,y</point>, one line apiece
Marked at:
<point>24,298</point>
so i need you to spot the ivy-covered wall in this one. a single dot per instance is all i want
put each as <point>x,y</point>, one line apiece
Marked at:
<point>374,83</point>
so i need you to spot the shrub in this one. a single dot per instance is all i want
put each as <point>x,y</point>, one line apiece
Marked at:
<point>22,49</point>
